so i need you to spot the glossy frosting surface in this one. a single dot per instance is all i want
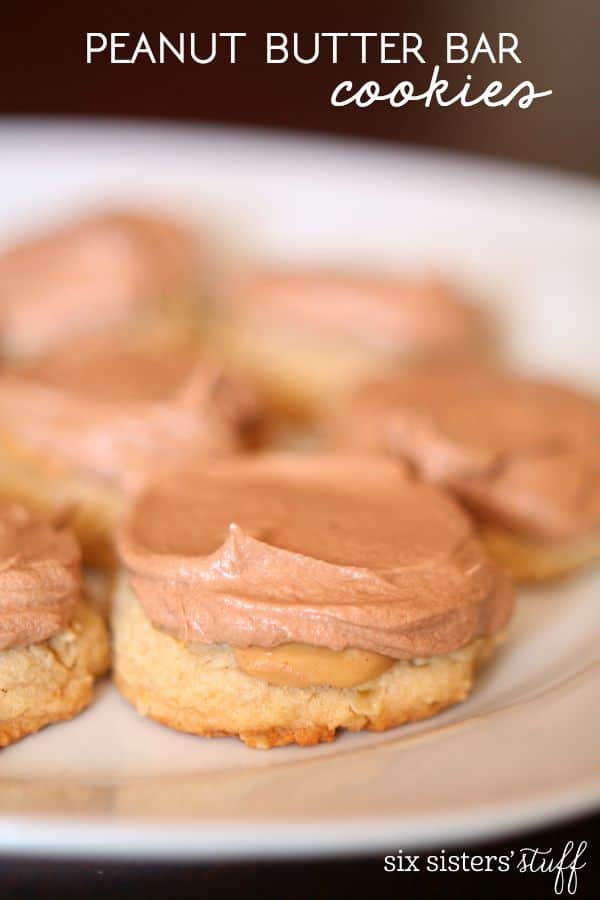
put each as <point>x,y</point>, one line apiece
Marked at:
<point>273,549</point>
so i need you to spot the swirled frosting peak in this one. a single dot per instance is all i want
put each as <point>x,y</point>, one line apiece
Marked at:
<point>40,577</point>
<point>338,553</point>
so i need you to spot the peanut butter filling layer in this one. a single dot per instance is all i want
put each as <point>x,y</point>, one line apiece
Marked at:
<point>336,553</point>
<point>300,665</point>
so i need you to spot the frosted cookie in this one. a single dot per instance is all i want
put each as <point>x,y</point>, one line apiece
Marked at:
<point>305,337</point>
<point>81,428</point>
<point>119,271</point>
<point>522,455</point>
<point>52,644</point>
<point>283,597</point>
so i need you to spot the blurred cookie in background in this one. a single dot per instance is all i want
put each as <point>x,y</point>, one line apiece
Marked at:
<point>306,337</point>
<point>85,425</point>
<point>120,271</point>
<point>522,454</point>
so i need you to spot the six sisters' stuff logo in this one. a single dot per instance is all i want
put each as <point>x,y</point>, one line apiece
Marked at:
<point>563,865</point>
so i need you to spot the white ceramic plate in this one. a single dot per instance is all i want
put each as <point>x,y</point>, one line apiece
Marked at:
<point>525,748</point>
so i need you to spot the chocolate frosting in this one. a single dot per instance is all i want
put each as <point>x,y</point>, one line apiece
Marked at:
<point>118,410</point>
<point>40,577</point>
<point>338,553</point>
<point>399,315</point>
<point>93,275</point>
<point>521,453</point>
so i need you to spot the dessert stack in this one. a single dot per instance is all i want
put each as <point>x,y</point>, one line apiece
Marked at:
<point>276,595</point>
